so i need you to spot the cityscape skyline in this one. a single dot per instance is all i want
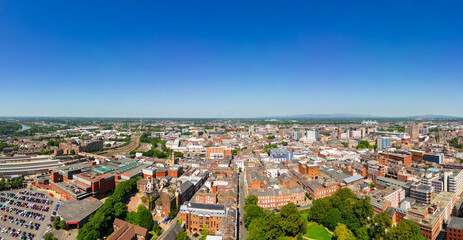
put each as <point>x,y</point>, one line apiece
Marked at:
<point>228,61</point>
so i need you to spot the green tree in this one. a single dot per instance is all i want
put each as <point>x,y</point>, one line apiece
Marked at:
<point>284,143</point>
<point>405,230</point>
<point>49,236</point>
<point>56,222</point>
<point>318,210</point>
<point>182,235</point>
<point>100,223</point>
<point>73,152</point>
<point>362,233</point>
<point>341,232</point>
<point>131,217</point>
<point>174,212</point>
<point>257,229</point>
<point>119,210</point>
<point>204,233</point>
<point>253,212</point>
<point>291,220</point>
<point>332,218</point>
<point>380,224</point>
<point>144,217</point>
<point>250,200</point>
<point>62,224</point>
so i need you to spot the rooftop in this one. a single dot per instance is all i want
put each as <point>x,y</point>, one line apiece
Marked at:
<point>74,210</point>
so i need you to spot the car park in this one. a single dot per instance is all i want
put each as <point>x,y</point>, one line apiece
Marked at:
<point>23,214</point>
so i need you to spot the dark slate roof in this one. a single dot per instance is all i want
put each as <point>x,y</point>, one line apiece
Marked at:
<point>205,206</point>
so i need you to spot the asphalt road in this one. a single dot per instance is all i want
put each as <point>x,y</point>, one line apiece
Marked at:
<point>243,232</point>
<point>43,224</point>
<point>169,225</point>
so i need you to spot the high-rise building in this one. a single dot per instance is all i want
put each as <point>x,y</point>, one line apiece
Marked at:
<point>251,130</point>
<point>312,135</point>
<point>297,135</point>
<point>383,143</point>
<point>413,130</point>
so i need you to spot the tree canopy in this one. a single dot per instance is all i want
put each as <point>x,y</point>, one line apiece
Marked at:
<point>341,232</point>
<point>263,224</point>
<point>100,223</point>
<point>404,230</point>
<point>351,217</point>
<point>142,217</point>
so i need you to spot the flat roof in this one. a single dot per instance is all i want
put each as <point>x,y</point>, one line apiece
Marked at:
<point>456,223</point>
<point>74,210</point>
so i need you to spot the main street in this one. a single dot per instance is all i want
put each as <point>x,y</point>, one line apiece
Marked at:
<point>243,232</point>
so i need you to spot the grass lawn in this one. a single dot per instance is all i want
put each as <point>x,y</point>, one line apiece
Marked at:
<point>315,230</point>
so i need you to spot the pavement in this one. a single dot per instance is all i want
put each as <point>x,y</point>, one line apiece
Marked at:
<point>169,224</point>
<point>243,232</point>
<point>43,224</point>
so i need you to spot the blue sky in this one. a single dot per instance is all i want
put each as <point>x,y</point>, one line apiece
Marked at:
<point>230,58</point>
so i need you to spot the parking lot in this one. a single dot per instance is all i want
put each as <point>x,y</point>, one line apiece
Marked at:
<point>26,214</point>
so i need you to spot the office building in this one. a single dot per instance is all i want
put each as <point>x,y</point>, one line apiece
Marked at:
<point>312,135</point>
<point>281,154</point>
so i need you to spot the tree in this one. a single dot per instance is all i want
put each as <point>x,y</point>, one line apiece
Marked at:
<point>332,218</point>
<point>144,217</point>
<point>362,233</point>
<point>256,230</point>
<point>62,224</point>
<point>319,208</point>
<point>56,222</point>
<point>343,233</point>
<point>406,229</point>
<point>291,220</point>
<point>379,225</point>
<point>284,143</point>
<point>100,223</point>
<point>250,200</point>
<point>174,212</point>
<point>182,235</point>
<point>253,212</point>
<point>204,233</point>
<point>131,217</point>
<point>49,236</point>
<point>73,152</point>
<point>119,210</point>
<point>361,146</point>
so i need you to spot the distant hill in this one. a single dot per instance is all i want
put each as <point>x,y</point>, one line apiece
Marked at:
<point>362,116</point>
<point>435,117</point>
<point>330,116</point>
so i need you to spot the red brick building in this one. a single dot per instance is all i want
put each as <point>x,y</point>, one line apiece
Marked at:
<point>127,231</point>
<point>97,184</point>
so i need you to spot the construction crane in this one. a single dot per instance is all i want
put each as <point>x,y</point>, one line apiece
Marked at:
<point>424,118</point>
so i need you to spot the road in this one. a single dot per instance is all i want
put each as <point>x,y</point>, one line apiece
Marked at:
<point>243,232</point>
<point>169,225</point>
<point>134,142</point>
